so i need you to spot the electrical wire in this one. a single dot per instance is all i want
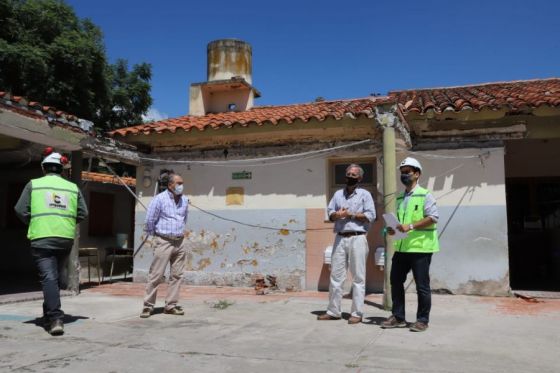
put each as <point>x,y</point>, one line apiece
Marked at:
<point>216,215</point>
<point>440,156</point>
<point>291,158</point>
<point>256,225</point>
<point>263,161</point>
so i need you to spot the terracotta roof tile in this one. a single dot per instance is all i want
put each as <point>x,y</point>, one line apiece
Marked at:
<point>35,109</point>
<point>513,96</point>
<point>107,179</point>
<point>260,115</point>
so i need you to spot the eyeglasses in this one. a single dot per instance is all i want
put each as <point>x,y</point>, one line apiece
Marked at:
<point>352,174</point>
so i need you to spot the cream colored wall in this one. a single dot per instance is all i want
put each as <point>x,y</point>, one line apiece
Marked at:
<point>201,103</point>
<point>301,184</point>
<point>293,185</point>
<point>218,101</point>
<point>451,174</point>
<point>196,103</point>
<point>469,189</point>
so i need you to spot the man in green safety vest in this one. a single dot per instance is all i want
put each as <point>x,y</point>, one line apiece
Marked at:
<point>418,215</point>
<point>51,206</point>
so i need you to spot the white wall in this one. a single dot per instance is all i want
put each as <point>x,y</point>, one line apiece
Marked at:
<point>469,186</point>
<point>300,184</point>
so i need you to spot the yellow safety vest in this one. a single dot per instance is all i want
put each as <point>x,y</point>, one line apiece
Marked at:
<point>423,240</point>
<point>54,207</point>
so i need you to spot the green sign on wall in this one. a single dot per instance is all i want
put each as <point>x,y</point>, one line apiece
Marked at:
<point>241,175</point>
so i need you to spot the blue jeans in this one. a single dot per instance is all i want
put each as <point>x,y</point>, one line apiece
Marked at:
<point>52,266</point>
<point>419,263</point>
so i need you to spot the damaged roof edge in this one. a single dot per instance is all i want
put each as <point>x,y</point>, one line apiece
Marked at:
<point>391,112</point>
<point>110,148</point>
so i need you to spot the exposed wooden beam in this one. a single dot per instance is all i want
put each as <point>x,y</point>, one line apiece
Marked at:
<point>517,128</point>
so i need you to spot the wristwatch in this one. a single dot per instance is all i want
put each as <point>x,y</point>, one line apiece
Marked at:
<point>411,227</point>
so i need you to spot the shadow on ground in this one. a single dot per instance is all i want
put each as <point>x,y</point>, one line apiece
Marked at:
<point>42,323</point>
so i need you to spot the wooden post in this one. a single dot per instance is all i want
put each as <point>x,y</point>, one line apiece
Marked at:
<point>74,260</point>
<point>389,192</point>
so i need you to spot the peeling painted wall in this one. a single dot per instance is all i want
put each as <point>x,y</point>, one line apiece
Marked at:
<point>470,192</point>
<point>227,253</point>
<point>224,253</point>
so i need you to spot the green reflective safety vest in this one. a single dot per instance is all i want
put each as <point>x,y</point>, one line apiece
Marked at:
<point>423,240</point>
<point>54,207</point>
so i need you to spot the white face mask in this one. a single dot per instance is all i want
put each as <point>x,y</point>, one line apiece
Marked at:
<point>178,189</point>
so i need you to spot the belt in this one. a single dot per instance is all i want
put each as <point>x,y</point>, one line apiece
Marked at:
<point>349,234</point>
<point>168,237</point>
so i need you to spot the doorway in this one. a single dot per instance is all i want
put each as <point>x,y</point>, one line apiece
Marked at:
<point>533,212</point>
<point>534,233</point>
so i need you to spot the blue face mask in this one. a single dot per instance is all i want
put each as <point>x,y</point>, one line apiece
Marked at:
<point>178,189</point>
<point>406,179</point>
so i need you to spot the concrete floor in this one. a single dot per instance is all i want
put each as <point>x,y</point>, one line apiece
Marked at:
<point>277,333</point>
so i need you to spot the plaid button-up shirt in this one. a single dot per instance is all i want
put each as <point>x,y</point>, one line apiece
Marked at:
<point>166,217</point>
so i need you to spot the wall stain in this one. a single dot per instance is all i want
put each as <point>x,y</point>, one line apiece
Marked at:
<point>243,262</point>
<point>284,232</point>
<point>203,263</point>
<point>214,244</point>
<point>188,265</point>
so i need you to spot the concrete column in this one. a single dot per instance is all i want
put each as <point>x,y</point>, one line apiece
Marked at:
<point>74,260</point>
<point>389,199</point>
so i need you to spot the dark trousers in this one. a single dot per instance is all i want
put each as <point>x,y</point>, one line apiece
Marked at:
<point>52,266</point>
<point>419,263</point>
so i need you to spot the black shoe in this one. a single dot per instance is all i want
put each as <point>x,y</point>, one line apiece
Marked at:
<point>146,312</point>
<point>393,322</point>
<point>57,327</point>
<point>419,326</point>
<point>177,310</point>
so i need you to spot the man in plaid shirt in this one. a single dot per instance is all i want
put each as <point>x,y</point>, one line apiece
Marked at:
<point>165,221</point>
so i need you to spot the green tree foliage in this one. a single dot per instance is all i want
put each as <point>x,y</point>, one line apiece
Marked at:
<point>50,55</point>
<point>130,94</point>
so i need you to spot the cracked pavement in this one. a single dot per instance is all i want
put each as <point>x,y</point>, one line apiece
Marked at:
<point>279,334</point>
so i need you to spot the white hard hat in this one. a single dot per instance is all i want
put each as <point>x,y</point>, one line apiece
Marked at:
<point>53,158</point>
<point>409,161</point>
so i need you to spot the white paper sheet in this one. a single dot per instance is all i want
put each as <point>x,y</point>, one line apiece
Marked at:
<point>392,222</point>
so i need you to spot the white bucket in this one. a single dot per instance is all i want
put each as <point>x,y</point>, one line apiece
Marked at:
<point>380,256</point>
<point>328,253</point>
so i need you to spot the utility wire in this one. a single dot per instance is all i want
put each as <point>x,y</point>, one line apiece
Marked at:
<point>256,225</point>
<point>291,157</point>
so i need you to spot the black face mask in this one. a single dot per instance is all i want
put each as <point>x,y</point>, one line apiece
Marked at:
<point>350,181</point>
<point>406,179</point>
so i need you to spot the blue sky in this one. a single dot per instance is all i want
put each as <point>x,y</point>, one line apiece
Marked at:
<point>334,49</point>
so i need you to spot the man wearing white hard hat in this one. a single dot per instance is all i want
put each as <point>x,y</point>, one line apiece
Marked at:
<point>51,206</point>
<point>418,215</point>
